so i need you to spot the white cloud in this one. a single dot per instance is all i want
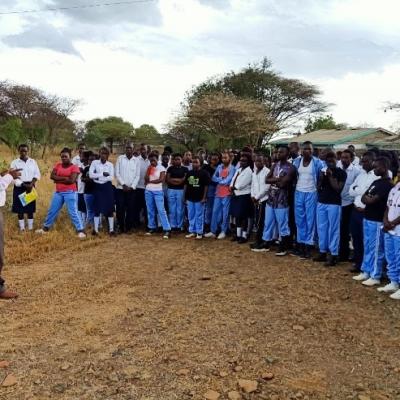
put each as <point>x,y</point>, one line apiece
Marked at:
<point>137,61</point>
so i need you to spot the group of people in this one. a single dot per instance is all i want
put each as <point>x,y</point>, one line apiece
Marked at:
<point>299,199</point>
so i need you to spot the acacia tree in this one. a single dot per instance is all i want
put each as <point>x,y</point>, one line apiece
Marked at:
<point>287,101</point>
<point>223,117</point>
<point>30,115</point>
<point>110,130</point>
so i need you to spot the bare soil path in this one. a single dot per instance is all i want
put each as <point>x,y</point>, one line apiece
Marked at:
<point>142,318</point>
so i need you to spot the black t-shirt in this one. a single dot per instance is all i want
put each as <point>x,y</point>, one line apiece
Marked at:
<point>177,172</point>
<point>211,171</point>
<point>195,183</point>
<point>381,187</point>
<point>89,184</point>
<point>326,193</point>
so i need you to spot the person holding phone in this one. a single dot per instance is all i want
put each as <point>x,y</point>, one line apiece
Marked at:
<point>102,173</point>
<point>6,177</point>
<point>64,175</point>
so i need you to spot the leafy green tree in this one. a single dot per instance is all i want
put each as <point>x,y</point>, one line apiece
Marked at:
<point>220,120</point>
<point>323,122</point>
<point>110,130</point>
<point>12,133</point>
<point>148,134</point>
<point>287,101</point>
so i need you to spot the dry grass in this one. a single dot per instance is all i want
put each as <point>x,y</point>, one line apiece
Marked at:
<point>28,247</point>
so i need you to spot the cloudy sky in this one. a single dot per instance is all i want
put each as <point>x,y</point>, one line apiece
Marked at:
<point>137,60</point>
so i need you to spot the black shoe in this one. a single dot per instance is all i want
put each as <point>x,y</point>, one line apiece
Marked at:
<point>261,247</point>
<point>295,252</point>
<point>150,232</point>
<point>331,262</point>
<point>242,240</point>
<point>94,233</point>
<point>283,246</point>
<point>234,239</point>
<point>321,257</point>
<point>254,245</point>
<point>307,252</point>
<point>166,234</point>
<point>112,233</point>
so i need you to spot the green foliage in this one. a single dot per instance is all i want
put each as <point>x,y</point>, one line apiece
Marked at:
<point>110,130</point>
<point>12,133</point>
<point>322,122</point>
<point>148,134</point>
<point>285,101</point>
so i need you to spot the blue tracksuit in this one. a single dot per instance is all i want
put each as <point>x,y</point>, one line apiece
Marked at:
<point>305,205</point>
<point>196,216</point>
<point>210,204</point>
<point>155,204</point>
<point>373,249</point>
<point>392,254</point>
<point>275,219</point>
<point>220,214</point>
<point>176,207</point>
<point>70,199</point>
<point>328,223</point>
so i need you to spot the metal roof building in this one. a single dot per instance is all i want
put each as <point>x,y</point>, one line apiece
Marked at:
<point>361,138</point>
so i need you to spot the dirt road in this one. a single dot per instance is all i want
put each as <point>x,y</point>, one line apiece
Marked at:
<point>142,318</point>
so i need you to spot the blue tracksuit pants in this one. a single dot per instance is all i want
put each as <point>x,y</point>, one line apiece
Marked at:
<point>275,218</point>
<point>70,199</point>
<point>328,226</point>
<point>373,249</point>
<point>209,204</point>
<point>305,211</point>
<point>220,215</point>
<point>155,205</point>
<point>176,207</point>
<point>196,216</point>
<point>392,254</point>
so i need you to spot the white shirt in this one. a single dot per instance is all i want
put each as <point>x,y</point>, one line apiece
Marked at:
<point>127,171</point>
<point>81,185</point>
<point>143,165</point>
<point>259,188</point>
<point>393,204</point>
<point>4,183</point>
<point>154,187</point>
<point>363,181</point>
<point>96,171</point>
<point>76,160</point>
<point>352,173</point>
<point>30,170</point>
<point>306,181</point>
<point>242,181</point>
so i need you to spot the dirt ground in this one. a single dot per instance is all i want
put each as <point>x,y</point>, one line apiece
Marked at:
<point>144,318</point>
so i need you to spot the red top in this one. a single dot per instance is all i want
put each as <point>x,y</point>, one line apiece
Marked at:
<point>223,190</point>
<point>67,172</point>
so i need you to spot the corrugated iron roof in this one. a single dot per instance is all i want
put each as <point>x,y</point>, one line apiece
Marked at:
<point>340,136</point>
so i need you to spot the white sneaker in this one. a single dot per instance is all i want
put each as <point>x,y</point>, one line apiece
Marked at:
<point>209,235</point>
<point>81,235</point>
<point>41,231</point>
<point>361,277</point>
<point>221,236</point>
<point>371,282</point>
<point>395,295</point>
<point>190,235</point>
<point>390,287</point>
<point>199,237</point>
